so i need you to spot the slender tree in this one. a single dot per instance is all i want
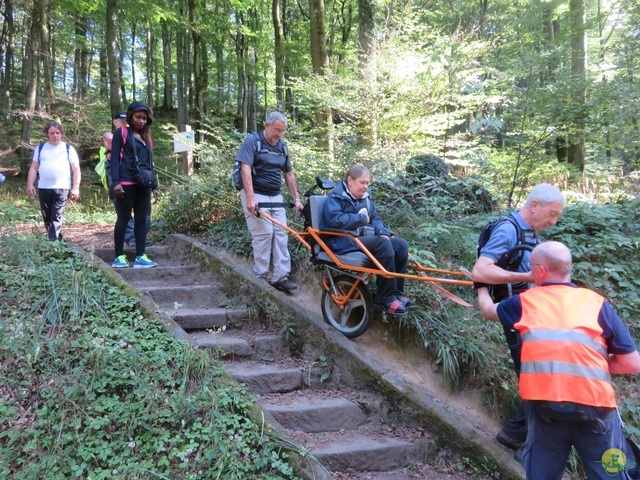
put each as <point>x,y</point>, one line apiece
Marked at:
<point>579,76</point>
<point>32,60</point>
<point>367,71</point>
<point>8,34</point>
<point>112,56</point>
<point>320,61</point>
<point>167,64</point>
<point>278,29</point>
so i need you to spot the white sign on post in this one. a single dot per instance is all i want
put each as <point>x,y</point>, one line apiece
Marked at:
<point>183,142</point>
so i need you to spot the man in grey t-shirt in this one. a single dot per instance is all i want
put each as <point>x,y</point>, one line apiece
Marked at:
<point>265,159</point>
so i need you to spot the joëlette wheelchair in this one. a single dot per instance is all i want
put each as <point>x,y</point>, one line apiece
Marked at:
<point>347,303</point>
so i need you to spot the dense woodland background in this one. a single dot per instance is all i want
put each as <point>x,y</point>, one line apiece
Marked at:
<point>534,80</point>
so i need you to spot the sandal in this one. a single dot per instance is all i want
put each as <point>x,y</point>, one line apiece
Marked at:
<point>395,308</point>
<point>406,302</point>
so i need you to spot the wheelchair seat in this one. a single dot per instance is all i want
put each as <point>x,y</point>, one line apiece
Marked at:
<point>357,259</point>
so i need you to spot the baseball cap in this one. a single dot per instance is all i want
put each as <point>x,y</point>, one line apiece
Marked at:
<point>141,107</point>
<point>120,115</point>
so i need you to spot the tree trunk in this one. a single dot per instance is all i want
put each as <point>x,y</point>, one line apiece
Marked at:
<point>104,73</point>
<point>242,99</point>
<point>9,35</point>
<point>167,101</point>
<point>80,58</point>
<point>149,64</point>
<point>200,67</point>
<point>252,74</point>
<point>32,59</point>
<point>132,55</point>
<point>183,57</point>
<point>47,64</point>
<point>579,76</point>
<point>320,61</point>
<point>276,13</point>
<point>367,71</point>
<point>112,56</point>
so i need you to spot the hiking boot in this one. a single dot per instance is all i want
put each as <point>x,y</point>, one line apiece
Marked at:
<point>285,285</point>
<point>143,262</point>
<point>518,456</point>
<point>120,262</point>
<point>508,441</point>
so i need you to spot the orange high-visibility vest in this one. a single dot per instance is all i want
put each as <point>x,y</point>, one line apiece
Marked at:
<point>564,357</point>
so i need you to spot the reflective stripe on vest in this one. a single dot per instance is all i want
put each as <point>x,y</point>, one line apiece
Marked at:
<point>564,357</point>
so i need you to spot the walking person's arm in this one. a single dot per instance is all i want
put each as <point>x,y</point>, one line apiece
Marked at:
<point>31,179</point>
<point>247,183</point>
<point>292,183</point>
<point>75,188</point>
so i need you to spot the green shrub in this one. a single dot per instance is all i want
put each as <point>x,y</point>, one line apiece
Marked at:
<point>93,389</point>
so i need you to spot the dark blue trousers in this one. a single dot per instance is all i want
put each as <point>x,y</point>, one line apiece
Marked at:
<point>600,444</point>
<point>393,255</point>
<point>52,204</point>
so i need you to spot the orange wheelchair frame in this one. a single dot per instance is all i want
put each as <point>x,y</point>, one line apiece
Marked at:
<point>347,304</point>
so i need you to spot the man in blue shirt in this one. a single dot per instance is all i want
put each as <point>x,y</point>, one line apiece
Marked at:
<point>542,208</point>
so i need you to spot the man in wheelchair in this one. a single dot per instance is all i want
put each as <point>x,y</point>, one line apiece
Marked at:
<point>349,207</point>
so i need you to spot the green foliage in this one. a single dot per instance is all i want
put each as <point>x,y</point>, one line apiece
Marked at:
<point>93,389</point>
<point>605,242</point>
<point>422,166</point>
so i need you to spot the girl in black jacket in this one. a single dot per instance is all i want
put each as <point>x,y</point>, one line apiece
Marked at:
<point>130,153</point>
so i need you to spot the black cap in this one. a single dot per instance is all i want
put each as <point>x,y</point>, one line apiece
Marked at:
<point>140,107</point>
<point>120,115</point>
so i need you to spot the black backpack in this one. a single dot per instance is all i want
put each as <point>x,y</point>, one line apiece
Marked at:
<point>512,259</point>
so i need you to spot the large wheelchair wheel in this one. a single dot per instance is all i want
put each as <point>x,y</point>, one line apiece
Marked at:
<point>349,309</point>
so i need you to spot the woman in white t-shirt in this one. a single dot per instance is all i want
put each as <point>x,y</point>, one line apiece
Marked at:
<point>53,164</point>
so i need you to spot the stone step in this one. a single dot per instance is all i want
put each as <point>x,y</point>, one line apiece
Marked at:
<point>311,414</point>
<point>162,254</point>
<point>354,451</point>
<point>267,348</point>
<point>228,346</point>
<point>191,296</point>
<point>263,378</point>
<point>203,318</point>
<point>160,275</point>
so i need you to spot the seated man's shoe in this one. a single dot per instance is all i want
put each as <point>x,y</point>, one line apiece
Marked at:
<point>406,302</point>
<point>508,441</point>
<point>518,456</point>
<point>395,308</point>
<point>285,285</point>
<point>131,242</point>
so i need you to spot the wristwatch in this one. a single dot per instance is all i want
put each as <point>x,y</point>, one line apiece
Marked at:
<point>296,200</point>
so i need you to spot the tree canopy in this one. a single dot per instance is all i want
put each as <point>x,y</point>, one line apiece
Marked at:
<point>537,81</point>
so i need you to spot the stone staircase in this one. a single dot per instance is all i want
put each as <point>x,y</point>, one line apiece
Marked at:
<point>353,430</point>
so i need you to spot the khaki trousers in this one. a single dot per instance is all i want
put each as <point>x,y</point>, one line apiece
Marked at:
<point>269,242</point>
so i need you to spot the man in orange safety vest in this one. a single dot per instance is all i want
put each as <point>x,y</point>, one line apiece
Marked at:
<point>572,340</point>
